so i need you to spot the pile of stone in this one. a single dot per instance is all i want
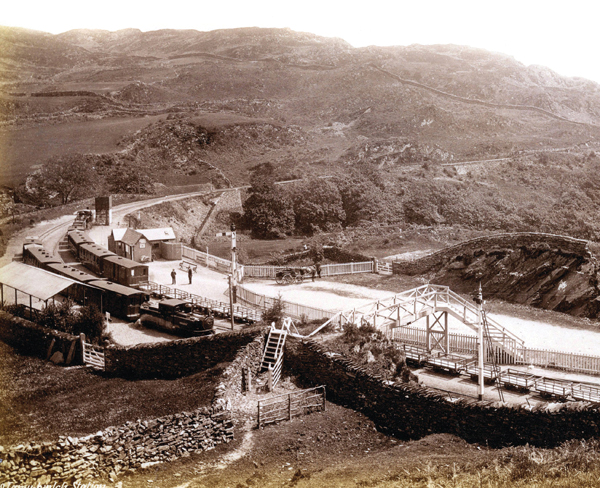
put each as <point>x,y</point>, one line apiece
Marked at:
<point>116,450</point>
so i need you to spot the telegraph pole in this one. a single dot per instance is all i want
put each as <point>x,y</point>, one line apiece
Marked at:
<point>479,301</point>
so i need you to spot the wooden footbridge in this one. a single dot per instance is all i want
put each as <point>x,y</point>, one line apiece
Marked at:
<point>434,303</point>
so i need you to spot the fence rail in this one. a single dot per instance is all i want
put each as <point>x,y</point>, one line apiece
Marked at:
<point>294,310</point>
<point>264,271</point>
<point>459,343</point>
<point>580,363</point>
<point>467,344</point>
<point>285,407</point>
<point>207,260</point>
<point>220,309</point>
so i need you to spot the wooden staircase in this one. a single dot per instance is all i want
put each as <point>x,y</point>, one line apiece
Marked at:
<point>273,354</point>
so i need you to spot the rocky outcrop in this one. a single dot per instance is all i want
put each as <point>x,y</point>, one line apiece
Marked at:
<point>545,271</point>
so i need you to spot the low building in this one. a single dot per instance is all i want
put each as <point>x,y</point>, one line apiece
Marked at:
<point>130,244</point>
<point>156,237</point>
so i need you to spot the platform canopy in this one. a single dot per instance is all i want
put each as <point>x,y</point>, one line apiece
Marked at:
<point>34,281</point>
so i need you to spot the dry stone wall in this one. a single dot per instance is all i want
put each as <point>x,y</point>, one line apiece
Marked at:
<point>411,411</point>
<point>176,358</point>
<point>35,340</point>
<point>116,450</point>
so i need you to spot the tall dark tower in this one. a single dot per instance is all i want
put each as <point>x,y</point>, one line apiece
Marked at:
<point>104,210</point>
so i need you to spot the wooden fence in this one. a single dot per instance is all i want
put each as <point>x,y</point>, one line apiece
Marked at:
<point>459,343</point>
<point>217,308</point>
<point>579,363</point>
<point>252,271</point>
<point>294,310</point>
<point>207,260</point>
<point>285,407</point>
<point>467,344</point>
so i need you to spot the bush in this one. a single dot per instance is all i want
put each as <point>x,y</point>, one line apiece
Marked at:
<point>275,313</point>
<point>90,321</point>
<point>58,317</point>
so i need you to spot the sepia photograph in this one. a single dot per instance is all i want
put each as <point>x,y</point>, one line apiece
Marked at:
<point>315,244</point>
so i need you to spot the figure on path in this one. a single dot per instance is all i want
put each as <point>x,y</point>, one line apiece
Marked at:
<point>173,277</point>
<point>190,274</point>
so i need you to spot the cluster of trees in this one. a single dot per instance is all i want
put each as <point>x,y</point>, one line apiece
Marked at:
<point>312,205</point>
<point>70,177</point>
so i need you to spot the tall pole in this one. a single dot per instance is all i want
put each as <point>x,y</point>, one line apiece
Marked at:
<point>231,300</point>
<point>232,277</point>
<point>479,302</point>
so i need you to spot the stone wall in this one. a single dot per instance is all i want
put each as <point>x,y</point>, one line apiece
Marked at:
<point>508,240</point>
<point>35,340</point>
<point>116,450</point>
<point>412,411</point>
<point>176,358</point>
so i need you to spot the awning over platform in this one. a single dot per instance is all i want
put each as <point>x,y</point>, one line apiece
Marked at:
<point>34,281</point>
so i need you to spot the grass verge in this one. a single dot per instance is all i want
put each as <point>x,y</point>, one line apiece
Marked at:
<point>40,401</point>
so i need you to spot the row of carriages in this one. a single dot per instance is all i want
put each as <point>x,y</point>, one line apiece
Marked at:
<point>510,379</point>
<point>104,262</point>
<point>114,291</point>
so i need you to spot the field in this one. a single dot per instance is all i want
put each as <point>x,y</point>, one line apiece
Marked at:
<point>23,149</point>
<point>40,401</point>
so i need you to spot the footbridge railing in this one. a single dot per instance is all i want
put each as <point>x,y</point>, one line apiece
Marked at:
<point>407,307</point>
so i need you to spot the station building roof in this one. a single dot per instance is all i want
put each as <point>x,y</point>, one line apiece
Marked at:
<point>34,281</point>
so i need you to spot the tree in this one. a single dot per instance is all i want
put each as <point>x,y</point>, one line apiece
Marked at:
<point>67,177</point>
<point>317,206</point>
<point>267,211</point>
<point>131,180</point>
<point>269,214</point>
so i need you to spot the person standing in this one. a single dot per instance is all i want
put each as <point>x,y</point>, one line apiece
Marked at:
<point>318,268</point>
<point>190,274</point>
<point>173,277</point>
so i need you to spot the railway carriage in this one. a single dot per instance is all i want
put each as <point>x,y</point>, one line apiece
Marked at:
<point>84,295</point>
<point>75,238</point>
<point>93,257</point>
<point>36,255</point>
<point>125,271</point>
<point>120,301</point>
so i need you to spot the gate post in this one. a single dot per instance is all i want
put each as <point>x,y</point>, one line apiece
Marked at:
<point>82,343</point>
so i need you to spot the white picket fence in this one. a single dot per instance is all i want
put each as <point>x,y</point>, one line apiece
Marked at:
<point>294,310</point>
<point>467,344</point>
<point>580,363</point>
<point>224,266</point>
<point>207,260</point>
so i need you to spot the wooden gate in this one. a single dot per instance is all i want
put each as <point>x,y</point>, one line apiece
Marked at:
<point>285,407</point>
<point>93,355</point>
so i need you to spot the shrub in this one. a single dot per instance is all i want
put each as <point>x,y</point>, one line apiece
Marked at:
<point>90,321</point>
<point>275,313</point>
<point>58,317</point>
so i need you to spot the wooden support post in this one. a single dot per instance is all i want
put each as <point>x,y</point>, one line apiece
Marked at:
<point>258,416</point>
<point>428,336</point>
<point>323,398</point>
<point>446,333</point>
<point>49,353</point>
